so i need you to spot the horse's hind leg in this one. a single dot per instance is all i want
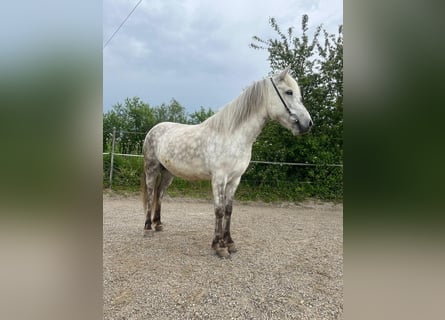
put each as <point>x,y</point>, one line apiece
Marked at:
<point>151,173</point>
<point>165,181</point>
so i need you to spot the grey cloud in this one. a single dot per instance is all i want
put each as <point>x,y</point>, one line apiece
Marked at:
<point>194,51</point>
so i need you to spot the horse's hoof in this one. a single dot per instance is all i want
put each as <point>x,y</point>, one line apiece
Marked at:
<point>232,248</point>
<point>159,227</point>
<point>223,252</point>
<point>148,233</point>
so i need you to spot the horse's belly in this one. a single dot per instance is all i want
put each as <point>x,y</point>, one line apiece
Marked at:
<point>188,170</point>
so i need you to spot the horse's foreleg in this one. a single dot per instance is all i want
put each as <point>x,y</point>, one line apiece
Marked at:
<point>226,234</point>
<point>164,183</point>
<point>230,192</point>
<point>218,188</point>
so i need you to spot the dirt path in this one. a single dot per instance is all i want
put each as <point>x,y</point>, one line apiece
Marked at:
<point>289,263</point>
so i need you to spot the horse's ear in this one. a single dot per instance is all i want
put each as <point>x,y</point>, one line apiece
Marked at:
<point>283,73</point>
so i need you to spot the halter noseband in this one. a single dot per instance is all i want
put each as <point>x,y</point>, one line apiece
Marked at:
<point>281,98</point>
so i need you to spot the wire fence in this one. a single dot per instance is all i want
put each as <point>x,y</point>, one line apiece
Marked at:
<point>124,171</point>
<point>263,180</point>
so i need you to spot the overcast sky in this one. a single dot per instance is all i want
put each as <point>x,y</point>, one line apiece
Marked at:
<point>196,51</point>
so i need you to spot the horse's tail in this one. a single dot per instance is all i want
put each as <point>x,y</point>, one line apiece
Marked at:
<point>144,190</point>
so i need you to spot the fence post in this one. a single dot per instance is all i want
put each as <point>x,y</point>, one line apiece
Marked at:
<point>112,157</point>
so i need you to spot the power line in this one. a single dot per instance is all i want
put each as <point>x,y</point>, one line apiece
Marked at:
<point>120,26</point>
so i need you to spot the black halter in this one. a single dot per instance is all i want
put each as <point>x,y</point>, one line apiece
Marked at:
<point>281,98</point>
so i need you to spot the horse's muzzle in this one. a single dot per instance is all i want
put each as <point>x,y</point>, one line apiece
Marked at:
<point>304,128</point>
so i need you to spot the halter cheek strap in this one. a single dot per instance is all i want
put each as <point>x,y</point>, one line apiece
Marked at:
<point>281,98</point>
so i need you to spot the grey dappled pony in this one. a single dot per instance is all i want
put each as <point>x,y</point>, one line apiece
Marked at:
<point>218,149</point>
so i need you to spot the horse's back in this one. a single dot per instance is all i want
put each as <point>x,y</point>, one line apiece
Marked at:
<point>161,132</point>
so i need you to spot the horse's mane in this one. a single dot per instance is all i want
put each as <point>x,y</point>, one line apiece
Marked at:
<point>236,112</point>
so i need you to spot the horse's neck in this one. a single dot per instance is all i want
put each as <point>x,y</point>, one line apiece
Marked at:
<point>252,127</point>
<point>243,118</point>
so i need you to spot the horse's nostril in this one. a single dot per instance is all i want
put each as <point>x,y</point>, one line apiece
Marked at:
<point>310,123</point>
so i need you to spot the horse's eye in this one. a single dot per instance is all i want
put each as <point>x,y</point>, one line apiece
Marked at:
<point>289,92</point>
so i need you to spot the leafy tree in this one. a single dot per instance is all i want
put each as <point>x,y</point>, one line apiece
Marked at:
<point>200,115</point>
<point>317,63</point>
<point>132,121</point>
<point>135,118</point>
<point>172,112</point>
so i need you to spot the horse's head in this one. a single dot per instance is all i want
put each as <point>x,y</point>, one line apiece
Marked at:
<point>286,105</point>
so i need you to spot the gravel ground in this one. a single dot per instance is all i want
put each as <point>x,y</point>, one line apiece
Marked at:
<point>289,263</point>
